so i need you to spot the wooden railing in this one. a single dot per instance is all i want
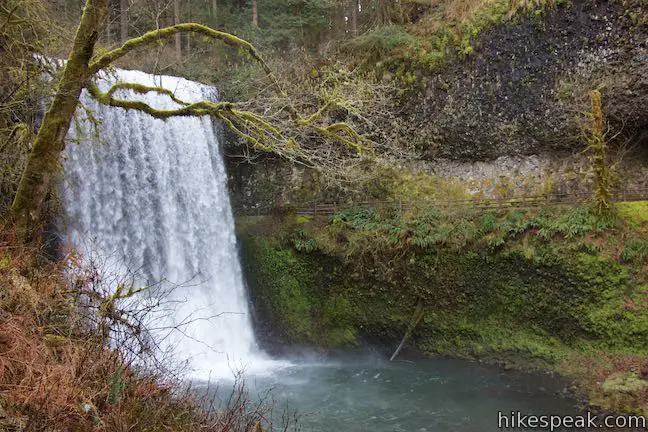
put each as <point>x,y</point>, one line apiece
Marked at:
<point>327,209</point>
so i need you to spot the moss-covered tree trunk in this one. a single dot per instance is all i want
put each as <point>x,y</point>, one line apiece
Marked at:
<point>43,160</point>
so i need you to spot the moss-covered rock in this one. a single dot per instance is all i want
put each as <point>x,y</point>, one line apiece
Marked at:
<point>536,290</point>
<point>290,303</point>
<point>628,383</point>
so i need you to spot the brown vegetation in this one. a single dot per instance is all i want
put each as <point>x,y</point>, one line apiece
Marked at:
<point>643,372</point>
<point>57,373</point>
<point>594,369</point>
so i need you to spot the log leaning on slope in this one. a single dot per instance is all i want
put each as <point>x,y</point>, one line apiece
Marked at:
<point>416,319</point>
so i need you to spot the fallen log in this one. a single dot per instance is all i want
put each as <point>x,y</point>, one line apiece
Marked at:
<point>416,318</point>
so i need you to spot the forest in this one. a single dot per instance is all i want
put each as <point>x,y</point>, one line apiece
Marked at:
<point>255,215</point>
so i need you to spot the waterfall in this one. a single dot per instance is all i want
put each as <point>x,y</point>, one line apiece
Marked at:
<point>154,194</point>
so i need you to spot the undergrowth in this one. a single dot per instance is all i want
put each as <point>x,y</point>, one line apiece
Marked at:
<point>551,287</point>
<point>59,371</point>
<point>448,31</point>
<point>354,229</point>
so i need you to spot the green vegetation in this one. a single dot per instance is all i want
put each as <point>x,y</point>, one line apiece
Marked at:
<point>636,213</point>
<point>604,174</point>
<point>443,35</point>
<point>628,383</point>
<point>283,24</point>
<point>289,298</point>
<point>294,301</point>
<point>541,288</point>
<point>354,229</point>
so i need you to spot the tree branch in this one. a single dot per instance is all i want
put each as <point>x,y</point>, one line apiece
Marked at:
<point>255,130</point>
<point>155,36</point>
<point>260,129</point>
<point>223,110</point>
<point>143,89</point>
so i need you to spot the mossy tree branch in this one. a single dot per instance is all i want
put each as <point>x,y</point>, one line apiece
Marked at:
<point>79,72</point>
<point>223,110</point>
<point>143,89</point>
<point>264,136</point>
<point>153,37</point>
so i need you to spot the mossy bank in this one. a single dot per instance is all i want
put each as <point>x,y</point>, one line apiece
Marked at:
<point>551,288</point>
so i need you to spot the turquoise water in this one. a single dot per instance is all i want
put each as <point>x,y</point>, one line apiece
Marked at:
<point>365,394</point>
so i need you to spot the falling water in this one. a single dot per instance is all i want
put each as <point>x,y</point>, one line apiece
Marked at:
<point>154,193</point>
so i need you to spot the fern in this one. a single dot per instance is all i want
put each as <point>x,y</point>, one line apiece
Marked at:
<point>487,223</point>
<point>635,250</point>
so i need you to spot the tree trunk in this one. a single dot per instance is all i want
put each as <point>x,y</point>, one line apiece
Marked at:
<point>365,16</point>
<point>416,319</point>
<point>214,12</point>
<point>123,20</point>
<point>338,22</point>
<point>354,17</point>
<point>383,12</point>
<point>43,160</point>
<point>188,18</point>
<point>176,20</point>
<point>255,14</point>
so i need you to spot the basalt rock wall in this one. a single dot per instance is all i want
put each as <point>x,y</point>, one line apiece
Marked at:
<point>525,88</point>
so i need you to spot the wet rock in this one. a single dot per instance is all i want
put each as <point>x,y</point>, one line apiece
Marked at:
<point>521,91</point>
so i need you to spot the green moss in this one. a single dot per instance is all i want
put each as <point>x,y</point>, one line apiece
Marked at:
<point>341,337</point>
<point>338,319</point>
<point>628,383</point>
<point>421,187</point>
<point>286,298</point>
<point>489,338</point>
<point>541,287</point>
<point>289,292</point>
<point>302,219</point>
<point>295,307</point>
<point>405,51</point>
<point>635,212</point>
<point>507,285</point>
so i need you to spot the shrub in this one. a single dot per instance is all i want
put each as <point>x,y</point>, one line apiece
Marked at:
<point>58,371</point>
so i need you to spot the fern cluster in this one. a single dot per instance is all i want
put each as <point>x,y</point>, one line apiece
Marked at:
<point>362,229</point>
